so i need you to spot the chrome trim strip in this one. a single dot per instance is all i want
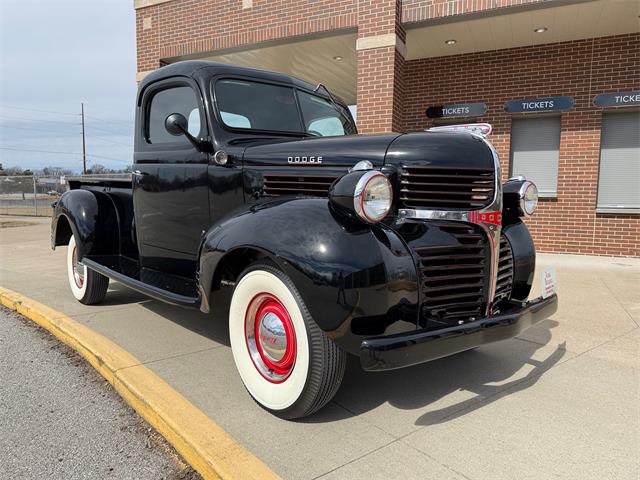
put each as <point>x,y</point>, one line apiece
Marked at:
<point>492,230</point>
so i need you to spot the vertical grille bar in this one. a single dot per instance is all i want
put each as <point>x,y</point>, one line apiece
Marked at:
<point>454,276</point>
<point>505,271</point>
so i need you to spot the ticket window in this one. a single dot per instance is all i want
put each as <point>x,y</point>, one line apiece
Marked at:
<point>619,176</point>
<point>535,149</point>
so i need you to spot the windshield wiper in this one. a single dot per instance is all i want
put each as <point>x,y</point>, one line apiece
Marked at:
<point>333,101</point>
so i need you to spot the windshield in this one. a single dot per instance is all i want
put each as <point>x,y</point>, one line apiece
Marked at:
<point>260,106</point>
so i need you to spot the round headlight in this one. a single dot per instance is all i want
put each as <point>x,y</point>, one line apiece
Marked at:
<point>528,198</point>
<point>372,197</point>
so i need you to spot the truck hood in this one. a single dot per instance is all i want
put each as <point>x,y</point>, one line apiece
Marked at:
<point>336,152</point>
<point>437,149</point>
<point>440,149</point>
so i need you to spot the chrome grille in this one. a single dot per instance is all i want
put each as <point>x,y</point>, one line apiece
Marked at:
<point>454,277</point>
<point>440,187</point>
<point>316,185</point>
<point>505,271</point>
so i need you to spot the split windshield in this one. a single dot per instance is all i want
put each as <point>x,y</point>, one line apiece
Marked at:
<point>274,108</point>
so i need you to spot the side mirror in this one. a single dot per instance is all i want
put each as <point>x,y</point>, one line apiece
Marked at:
<point>176,124</point>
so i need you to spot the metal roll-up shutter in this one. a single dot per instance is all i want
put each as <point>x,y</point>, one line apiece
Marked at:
<point>619,179</point>
<point>535,148</point>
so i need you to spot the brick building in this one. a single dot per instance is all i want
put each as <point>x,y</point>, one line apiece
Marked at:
<point>538,70</point>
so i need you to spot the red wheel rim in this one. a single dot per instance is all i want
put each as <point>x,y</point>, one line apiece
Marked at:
<point>270,337</point>
<point>78,277</point>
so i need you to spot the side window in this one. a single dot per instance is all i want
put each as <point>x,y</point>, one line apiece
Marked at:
<point>326,127</point>
<point>321,117</point>
<point>181,100</point>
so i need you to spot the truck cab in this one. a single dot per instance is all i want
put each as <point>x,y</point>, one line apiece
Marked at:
<point>398,248</point>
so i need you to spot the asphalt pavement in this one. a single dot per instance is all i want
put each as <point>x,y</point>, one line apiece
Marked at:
<point>59,419</point>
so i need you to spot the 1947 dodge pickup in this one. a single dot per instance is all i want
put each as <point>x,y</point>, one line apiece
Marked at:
<point>398,248</point>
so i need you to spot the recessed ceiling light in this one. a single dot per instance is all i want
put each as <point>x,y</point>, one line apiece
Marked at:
<point>337,58</point>
<point>451,42</point>
<point>540,30</point>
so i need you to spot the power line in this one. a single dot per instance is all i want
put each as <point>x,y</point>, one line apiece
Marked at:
<point>64,153</point>
<point>110,141</point>
<point>109,121</point>
<point>30,128</point>
<point>102,129</point>
<point>40,111</point>
<point>39,120</point>
<point>97,137</point>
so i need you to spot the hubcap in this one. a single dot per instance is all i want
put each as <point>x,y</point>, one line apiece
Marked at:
<point>78,270</point>
<point>270,337</point>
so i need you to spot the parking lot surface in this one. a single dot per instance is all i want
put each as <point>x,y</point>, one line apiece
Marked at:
<point>60,419</point>
<point>559,401</point>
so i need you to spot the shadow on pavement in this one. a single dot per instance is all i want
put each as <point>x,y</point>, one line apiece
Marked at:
<point>210,325</point>
<point>488,373</point>
<point>118,294</point>
<point>483,375</point>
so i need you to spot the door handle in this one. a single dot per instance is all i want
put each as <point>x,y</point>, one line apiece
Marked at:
<point>138,173</point>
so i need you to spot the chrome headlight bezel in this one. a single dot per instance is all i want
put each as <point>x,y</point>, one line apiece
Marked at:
<point>528,198</point>
<point>520,197</point>
<point>348,195</point>
<point>363,188</point>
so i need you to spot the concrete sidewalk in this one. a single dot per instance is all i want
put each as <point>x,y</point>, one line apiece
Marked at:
<point>561,400</point>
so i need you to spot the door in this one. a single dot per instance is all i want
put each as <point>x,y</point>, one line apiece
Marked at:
<point>170,183</point>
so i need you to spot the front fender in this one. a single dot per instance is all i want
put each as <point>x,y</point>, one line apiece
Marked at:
<point>92,219</point>
<point>355,279</point>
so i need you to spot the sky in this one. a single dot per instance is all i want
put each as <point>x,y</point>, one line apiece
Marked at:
<point>54,55</point>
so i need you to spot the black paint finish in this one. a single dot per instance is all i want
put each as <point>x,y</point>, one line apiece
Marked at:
<point>355,279</point>
<point>439,149</point>
<point>403,350</point>
<point>186,226</point>
<point>524,259</point>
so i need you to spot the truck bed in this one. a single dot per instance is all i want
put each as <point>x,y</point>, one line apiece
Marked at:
<point>116,180</point>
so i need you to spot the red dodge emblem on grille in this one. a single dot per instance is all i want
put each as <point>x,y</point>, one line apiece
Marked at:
<point>485,217</point>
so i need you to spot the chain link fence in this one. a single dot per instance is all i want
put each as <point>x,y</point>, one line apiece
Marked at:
<point>33,195</point>
<point>30,195</point>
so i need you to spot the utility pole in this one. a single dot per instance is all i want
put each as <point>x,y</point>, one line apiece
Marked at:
<point>84,149</point>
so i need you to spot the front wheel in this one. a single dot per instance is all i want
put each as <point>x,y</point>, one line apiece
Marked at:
<point>288,365</point>
<point>87,286</point>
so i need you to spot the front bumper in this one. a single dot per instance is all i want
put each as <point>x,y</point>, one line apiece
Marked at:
<point>406,349</point>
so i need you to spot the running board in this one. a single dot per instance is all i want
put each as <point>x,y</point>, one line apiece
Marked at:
<point>149,290</point>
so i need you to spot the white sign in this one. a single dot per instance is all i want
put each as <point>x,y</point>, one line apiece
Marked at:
<point>549,282</point>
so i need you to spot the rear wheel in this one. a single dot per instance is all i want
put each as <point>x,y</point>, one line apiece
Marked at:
<point>87,286</point>
<point>288,365</point>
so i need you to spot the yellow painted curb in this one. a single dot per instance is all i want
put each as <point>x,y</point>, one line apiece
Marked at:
<point>203,443</point>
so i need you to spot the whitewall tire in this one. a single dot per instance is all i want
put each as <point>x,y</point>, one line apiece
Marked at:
<point>288,365</point>
<point>87,286</point>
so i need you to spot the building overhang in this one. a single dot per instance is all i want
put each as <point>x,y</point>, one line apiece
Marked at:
<point>508,28</point>
<point>329,59</point>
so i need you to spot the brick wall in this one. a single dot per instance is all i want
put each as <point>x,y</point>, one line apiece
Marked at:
<point>184,27</point>
<point>422,10</point>
<point>581,69</point>
<point>380,70</point>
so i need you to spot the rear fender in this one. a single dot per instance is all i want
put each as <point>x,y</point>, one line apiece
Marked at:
<point>355,279</point>
<point>91,217</point>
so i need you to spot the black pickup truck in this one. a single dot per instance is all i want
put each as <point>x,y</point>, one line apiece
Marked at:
<point>398,248</point>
